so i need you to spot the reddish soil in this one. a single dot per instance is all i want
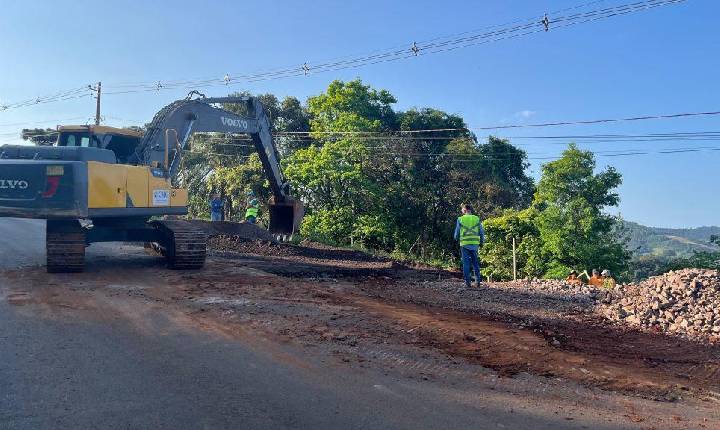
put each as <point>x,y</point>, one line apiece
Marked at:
<point>352,298</point>
<point>364,311</point>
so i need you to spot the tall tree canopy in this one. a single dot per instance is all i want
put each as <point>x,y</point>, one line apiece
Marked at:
<point>352,106</point>
<point>377,176</point>
<point>368,173</point>
<point>566,225</point>
<point>572,225</point>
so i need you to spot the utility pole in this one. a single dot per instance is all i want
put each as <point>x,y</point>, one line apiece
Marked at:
<point>514,262</point>
<point>97,106</point>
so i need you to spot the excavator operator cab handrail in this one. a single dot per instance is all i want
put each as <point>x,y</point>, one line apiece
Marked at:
<point>166,165</point>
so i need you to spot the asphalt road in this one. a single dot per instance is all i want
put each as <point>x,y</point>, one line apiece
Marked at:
<point>74,371</point>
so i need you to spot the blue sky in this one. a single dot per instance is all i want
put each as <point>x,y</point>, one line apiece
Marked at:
<point>655,62</point>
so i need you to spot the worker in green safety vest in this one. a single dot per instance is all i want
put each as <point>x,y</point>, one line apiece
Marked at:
<point>251,213</point>
<point>469,231</point>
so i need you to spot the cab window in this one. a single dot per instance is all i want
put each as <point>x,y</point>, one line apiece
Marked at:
<point>122,146</point>
<point>74,139</point>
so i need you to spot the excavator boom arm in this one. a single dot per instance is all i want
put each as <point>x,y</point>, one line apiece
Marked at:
<point>167,135</point>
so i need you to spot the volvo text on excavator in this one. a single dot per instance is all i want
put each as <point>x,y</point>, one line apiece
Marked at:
<point>104,184</point>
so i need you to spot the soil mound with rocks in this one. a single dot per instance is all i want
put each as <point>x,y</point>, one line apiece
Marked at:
<point>685,302</point>
<point>238,230</point>
<point>236,243</point>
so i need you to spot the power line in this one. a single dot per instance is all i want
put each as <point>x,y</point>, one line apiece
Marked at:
<point>389,137</point>
<point>387,142</point>
<point>512,126</point>
<point>415,49</point>
<point>434,46</point>
<point>75,93</point>
<point>601,121</point>
<point>475,158</point>
<point>405,45</point>
<point>59,120</point>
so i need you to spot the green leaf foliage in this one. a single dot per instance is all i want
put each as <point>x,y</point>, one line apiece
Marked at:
<point>403,188</point>
<point>374,176</point>
<point>566,227</point>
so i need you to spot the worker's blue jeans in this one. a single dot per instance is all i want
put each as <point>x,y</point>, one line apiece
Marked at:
<point>250,219</point>
<point>470,261</point>
<point>215,216</point>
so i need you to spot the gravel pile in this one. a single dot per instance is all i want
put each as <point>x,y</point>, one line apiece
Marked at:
<point>685,302</point>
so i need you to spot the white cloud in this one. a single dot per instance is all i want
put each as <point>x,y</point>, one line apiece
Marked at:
<point>525,113</point>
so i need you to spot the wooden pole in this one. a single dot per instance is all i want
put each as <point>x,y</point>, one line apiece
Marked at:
<point>514,262</point>
<point>97,105</point>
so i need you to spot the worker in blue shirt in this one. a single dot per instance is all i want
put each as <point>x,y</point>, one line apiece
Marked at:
<point>469,231</point>
<point>216,208</point>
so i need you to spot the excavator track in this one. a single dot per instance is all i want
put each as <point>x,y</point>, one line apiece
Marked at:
<point>65,245</point>
<point>184,247</point>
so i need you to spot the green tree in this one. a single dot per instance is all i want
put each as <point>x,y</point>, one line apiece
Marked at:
<point>331,180</point>
<point>574,230</point>
<point>352,106</point>
<point>497,251</point>
<point>407,182</point>
<point>332,175</point>
<point>414,170</point>
<point>566,226</point>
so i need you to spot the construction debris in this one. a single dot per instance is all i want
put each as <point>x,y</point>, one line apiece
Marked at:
<point>685,302</point>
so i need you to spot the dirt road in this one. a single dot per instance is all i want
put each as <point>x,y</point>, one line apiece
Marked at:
<point>308,337</point>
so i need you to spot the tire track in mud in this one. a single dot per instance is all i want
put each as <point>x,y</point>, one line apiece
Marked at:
<point>510,351</point>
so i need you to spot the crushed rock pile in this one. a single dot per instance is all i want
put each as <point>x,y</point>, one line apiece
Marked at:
<point>685,302</point>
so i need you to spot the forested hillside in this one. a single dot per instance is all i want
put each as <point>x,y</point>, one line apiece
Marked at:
<point>669,242</point>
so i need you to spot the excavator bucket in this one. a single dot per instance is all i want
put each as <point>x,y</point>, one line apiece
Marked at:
<point>285,217</point>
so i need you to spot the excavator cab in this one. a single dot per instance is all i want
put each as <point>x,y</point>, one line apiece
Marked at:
<point>122,142</point>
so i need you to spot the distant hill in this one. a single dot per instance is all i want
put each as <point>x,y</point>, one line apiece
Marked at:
<point>669,242</point>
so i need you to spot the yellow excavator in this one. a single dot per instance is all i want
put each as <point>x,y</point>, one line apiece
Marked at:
<point>105,184</point>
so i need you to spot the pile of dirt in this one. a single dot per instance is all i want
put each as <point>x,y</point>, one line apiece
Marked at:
<point>684,302</point>
<point>245,245</point>
<point>237,243</point>
<point>238,230</point>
